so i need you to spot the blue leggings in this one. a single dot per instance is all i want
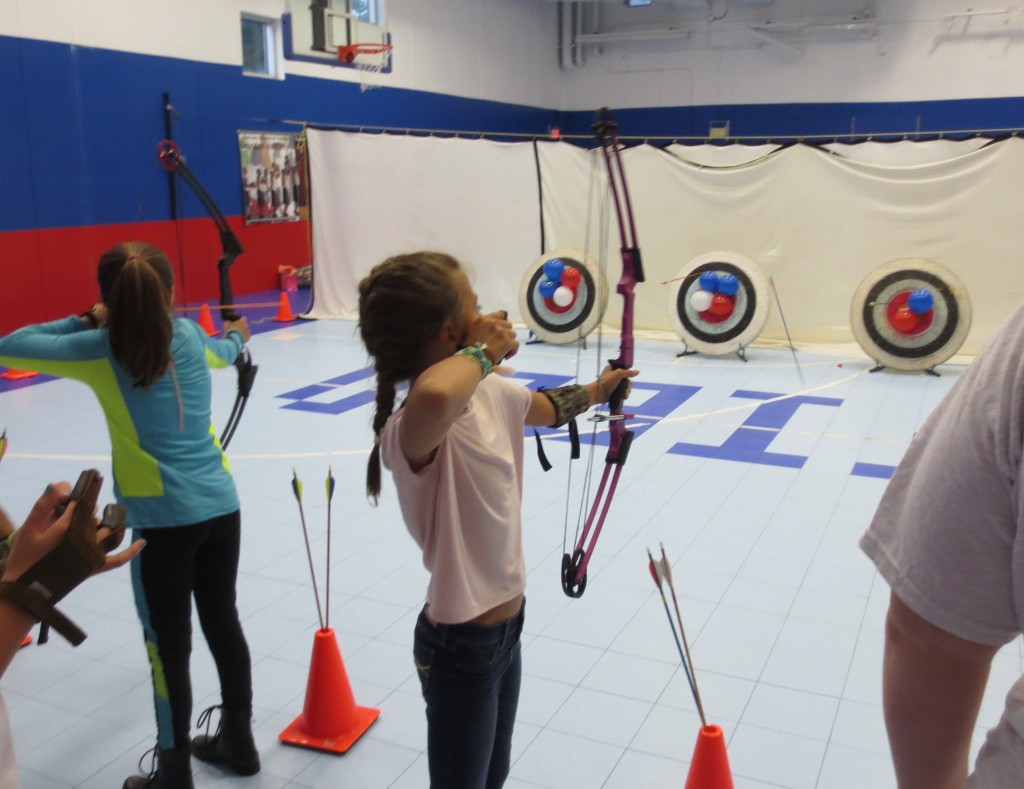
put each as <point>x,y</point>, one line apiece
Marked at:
<point>470,675</point>
<point>180,562</point>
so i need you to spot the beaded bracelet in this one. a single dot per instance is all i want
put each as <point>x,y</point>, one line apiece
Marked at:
<point>476,353</point>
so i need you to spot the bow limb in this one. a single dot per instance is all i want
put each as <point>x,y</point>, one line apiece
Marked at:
<point>574,568</point>
<point>170,158</point>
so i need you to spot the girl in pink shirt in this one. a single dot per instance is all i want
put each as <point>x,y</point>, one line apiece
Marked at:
<point>455,450</point>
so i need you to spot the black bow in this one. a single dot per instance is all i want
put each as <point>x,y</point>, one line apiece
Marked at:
<point>173,162</point>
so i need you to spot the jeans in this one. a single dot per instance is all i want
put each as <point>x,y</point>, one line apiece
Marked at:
<point>181,563</point>
<point>470,675</point>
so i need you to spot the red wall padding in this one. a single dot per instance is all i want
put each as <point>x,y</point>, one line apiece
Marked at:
<point>48,274</point>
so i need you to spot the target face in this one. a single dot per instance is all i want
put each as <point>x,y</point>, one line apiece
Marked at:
<point>718,303</point>
<point>563,296</point>
<point>910,314</point>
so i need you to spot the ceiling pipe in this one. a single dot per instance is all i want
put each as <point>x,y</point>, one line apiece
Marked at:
<point>566,42</point>
<point>579,57</point>
<point>637,35</point>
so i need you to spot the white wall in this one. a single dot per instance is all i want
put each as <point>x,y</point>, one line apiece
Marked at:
<point>502,50</point>
<point>914,51</point>
<point>190,29</point>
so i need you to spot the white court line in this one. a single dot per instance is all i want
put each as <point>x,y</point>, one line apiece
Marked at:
<point>755,403</point>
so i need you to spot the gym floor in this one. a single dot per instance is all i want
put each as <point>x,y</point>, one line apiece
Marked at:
<point>757,477</point>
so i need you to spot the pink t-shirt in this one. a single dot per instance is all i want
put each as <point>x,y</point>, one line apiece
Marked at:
<point>464,508</point>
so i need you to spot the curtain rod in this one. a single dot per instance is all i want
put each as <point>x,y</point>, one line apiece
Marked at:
<point>864,136</point>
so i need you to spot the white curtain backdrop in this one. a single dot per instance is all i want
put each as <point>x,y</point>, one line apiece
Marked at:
<point>379,195</point>
<point>816,220</point>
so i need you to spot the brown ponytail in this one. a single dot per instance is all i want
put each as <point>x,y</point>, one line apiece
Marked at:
<point>403,304</point>
<point>135,284</point>
<point>383,408</point>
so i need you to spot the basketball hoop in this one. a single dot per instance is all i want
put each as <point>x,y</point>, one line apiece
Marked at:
<point>369,67</point>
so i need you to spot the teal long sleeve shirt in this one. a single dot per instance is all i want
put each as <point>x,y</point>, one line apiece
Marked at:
<point>169,468</point>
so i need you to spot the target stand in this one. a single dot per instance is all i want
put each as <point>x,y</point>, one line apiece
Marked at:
<point>533,339</point>
<point>718,304</point>
<point>910,315</point>
<point>562,297</point>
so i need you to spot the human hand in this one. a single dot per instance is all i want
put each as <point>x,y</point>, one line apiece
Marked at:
<point>96,316</point>
<point>99,312</point>
<point>44,530</point>
<point>611,378</point>
<point>494,331</point>
<point>241,325</point>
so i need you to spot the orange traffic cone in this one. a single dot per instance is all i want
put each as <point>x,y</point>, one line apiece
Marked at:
<point>206,320</point>
<point>709,767</point>
<point>330,719</point>
<point>16,375</point>
<point>284,310</point>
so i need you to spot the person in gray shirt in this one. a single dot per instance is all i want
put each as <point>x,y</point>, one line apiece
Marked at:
<point>948,539</point>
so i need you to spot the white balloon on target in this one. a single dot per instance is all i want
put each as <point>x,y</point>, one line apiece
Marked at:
<point>563,296</point>
<point>701,300</point>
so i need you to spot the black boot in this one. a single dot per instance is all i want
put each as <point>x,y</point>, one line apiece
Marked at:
<point>173,770</point>
<point>232,744</point>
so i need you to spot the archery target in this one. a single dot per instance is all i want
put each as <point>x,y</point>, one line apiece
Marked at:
<point>902,338</point>
<point>717,323</point>
<point>574,308</point>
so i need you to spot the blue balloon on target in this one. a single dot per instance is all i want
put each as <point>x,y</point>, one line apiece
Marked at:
<point>920,301</point>
<point>709,281</point>
<point>547,288</point>
<point>728,284</point>
<point>553,270</point>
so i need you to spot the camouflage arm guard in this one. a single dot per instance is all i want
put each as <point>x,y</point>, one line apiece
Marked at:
<point>569,402</point>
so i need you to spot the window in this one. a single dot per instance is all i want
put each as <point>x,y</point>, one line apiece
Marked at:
<point>364,10</point>
<point>259,46</point>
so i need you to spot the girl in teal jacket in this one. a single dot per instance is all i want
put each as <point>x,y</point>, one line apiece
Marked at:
<point>150,372</point>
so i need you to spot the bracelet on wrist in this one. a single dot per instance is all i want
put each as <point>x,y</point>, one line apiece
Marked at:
<point>476,353</point>
<point>90,318</point>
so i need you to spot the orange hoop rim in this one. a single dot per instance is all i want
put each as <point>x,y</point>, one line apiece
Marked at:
<point>347,54</point>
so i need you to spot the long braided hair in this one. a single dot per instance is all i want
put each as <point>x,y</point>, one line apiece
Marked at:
<point>403,304</point>
<point>135,282</point>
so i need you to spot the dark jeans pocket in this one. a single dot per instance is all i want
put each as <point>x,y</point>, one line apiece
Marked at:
<point>423,657</point>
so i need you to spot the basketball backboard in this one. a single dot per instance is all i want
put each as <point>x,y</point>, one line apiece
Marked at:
<point>314,29</point>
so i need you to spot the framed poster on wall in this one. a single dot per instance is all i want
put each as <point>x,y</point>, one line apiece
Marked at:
<point>273,177</point>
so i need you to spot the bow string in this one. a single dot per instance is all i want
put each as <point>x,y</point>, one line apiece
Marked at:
<point>574,566</point>
<point>171,159</point>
